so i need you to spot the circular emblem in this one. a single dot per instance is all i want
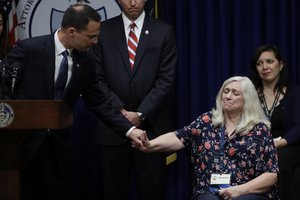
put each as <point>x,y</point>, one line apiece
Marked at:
<point>39,17</point>
<point>6,115</point>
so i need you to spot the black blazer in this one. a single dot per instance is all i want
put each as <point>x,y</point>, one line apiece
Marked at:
<point>148,88</point>
<point>291,115</point>
<point>37,56</point>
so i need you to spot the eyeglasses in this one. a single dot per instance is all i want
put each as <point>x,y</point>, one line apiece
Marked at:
<point>91,37</point>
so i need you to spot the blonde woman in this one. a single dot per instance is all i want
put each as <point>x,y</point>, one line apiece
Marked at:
<point>232,151</point>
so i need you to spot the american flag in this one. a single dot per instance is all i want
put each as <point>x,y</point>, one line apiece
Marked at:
<point>9,8</point>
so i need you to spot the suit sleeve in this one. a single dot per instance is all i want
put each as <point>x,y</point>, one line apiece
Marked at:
<point>163,85</point>
<point>114,99</point>
<point>293,128</point>
<point>16,54</point>
<point>99,99</point>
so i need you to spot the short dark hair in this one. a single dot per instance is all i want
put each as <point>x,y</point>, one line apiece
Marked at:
<point>79,15</point>
<point>283,76</point>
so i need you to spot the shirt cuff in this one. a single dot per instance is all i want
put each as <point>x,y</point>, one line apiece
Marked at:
<point>129,131</point>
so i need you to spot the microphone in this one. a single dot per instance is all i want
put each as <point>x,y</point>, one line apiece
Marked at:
<point>15,70</point>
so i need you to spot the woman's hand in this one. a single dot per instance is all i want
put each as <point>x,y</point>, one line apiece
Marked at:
<point>280,142</point>
<point>231,192</point>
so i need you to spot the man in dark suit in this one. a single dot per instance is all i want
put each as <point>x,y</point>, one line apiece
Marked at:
<point>140,83</point>
<point>44,154</point>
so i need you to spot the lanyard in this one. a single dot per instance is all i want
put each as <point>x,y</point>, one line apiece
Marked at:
<point>265,106</point>
<point>222,146</point>
<point>222,150</point>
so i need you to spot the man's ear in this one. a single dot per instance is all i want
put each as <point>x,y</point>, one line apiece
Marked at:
<point>72,31</point>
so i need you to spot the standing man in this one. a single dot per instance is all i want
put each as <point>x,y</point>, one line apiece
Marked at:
<point>137,56</point>
<point>44,154</point>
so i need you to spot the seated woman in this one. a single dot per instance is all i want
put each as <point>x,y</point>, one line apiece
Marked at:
<point>232,150</point>
<point>280,101</point>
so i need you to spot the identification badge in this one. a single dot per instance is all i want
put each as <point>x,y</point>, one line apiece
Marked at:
<point>220,179</point>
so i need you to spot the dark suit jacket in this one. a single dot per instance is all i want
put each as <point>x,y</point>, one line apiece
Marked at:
<point>291,114</point>
<point>148,87</point>
<point>37,56</point>
<point>289,161</point>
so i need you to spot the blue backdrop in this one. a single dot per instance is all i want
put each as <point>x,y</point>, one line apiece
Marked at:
<point>216,39</point>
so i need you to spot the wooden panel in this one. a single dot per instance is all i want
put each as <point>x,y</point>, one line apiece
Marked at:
<point>39,114</point>
<point>9,185</point>
<point>28,115</point>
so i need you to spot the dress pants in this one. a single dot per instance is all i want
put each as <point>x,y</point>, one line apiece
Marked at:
<point>119,164</point>
<point>44,166</point>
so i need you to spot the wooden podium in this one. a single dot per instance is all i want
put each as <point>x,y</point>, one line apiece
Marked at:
<point>17,119</point>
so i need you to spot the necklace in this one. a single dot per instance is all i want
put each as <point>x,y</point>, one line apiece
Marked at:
<point>264,103</point>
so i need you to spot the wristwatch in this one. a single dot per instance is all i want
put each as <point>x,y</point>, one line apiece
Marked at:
<point>141,116</point>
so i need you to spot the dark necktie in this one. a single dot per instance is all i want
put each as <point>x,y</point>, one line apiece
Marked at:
<point>132,45</point>
<point>62,77</point>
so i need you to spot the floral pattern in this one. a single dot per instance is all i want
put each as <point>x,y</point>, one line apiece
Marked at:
<point>245,157</point>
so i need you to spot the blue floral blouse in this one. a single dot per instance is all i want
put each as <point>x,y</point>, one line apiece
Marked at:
<point>244,157</point>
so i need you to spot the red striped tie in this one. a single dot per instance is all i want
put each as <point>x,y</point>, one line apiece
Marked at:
<point>132,45</point>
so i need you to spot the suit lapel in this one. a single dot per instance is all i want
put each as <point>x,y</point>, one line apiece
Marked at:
<point>121,41</point>
<point>48,55</point>
<point>75,68</point>
<point>143,42</point>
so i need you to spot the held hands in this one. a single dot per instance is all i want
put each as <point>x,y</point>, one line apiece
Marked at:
<point>139,139</point>
<point>143,144</point>
<point>137,136</point>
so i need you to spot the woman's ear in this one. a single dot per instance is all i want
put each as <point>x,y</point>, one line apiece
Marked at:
<point>281,65</point>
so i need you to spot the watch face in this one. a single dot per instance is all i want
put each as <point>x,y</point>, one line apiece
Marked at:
<point>141,116</point>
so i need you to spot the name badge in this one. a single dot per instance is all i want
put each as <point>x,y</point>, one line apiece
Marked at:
<point>219,179</point>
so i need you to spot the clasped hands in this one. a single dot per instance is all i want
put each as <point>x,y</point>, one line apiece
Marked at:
<point>139,140</point>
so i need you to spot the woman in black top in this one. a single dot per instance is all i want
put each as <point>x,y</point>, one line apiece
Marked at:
<point>281,103</point>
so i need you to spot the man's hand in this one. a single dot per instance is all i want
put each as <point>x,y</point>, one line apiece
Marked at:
<point>132,117</point>
<point>138,136</point>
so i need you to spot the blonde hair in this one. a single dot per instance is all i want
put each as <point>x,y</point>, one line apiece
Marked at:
<point>252,112</point>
